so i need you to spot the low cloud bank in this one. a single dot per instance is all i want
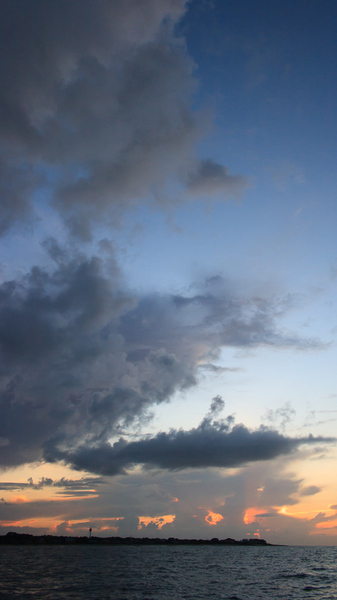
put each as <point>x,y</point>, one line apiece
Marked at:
<point>214,443</point>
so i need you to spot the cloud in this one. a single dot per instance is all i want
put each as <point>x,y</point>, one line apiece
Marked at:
<point>234,494</point>
<point>85,483</point>
<point>283,415</point>
<point>215,443</point>
<point>83,358</point>
<point>217,370</point>
<point>310,490</point>
<point>96,114</point>
<point>212,179</point>
<point>96,110</point>
<point>96,119</point>
<point>280,491</point>
<point>92,96</point>
<point>78,484</point>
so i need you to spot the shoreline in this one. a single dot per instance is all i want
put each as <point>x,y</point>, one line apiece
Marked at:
<point>26,539</point>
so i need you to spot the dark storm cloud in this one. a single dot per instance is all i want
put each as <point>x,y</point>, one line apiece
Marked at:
<point>65,371</point>
<point>95,104</point>
<point>82,358</point>
<point>212,444</point>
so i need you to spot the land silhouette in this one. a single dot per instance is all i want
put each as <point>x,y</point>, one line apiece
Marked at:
<point>27,539</point>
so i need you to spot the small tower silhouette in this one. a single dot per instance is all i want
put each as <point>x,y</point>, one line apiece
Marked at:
<point>90,530</point>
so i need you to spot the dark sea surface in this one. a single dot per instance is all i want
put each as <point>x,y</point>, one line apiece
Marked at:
<point>164,572</point>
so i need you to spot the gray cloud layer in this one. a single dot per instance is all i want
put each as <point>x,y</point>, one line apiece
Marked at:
<point>85,484</point>
<point>95,106</point>
<point>82,358</point>
<point>204,446</point>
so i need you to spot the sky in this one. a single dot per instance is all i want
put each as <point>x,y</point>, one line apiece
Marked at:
<point>168,269</point>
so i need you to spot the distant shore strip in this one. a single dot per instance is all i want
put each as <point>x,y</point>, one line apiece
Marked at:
<point>27,539</point>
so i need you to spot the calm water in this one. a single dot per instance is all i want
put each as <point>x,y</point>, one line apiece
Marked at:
<point>162,573</point>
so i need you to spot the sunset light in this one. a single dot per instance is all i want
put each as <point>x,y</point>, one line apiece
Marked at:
<point>168,274</point>
<point>159,522</point>
<point>213,518</point>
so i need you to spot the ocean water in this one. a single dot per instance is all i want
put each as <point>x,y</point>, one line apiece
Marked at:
<point>165,573</point>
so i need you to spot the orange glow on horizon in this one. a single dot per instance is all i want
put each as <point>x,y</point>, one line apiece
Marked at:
<point>315,512</point>
<point>159,522</point>
<point>252,514</point>
<point>11,523</point>
<point>213,518</point>
<point>51,525</point>
<point>68,498</point>
<point>19,500</point>
<point>327,524</point>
